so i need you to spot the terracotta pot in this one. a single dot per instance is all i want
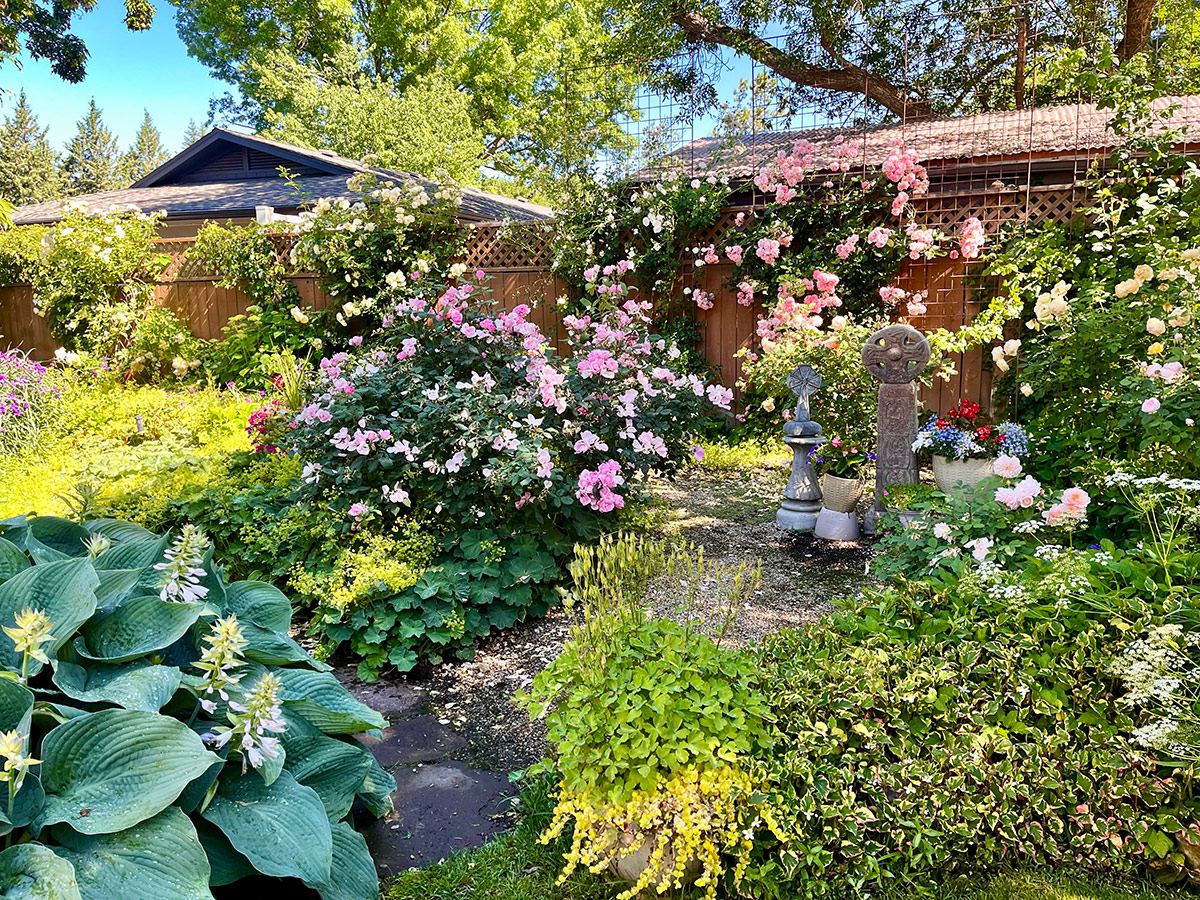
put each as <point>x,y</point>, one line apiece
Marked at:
<point>959,476</point>
<point>840,494</point>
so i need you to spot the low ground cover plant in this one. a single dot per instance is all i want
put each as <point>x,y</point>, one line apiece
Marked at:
<point>161,733</point>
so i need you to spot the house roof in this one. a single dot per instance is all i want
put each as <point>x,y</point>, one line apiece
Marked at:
<point>184,189</point>
<point>1071,128</point>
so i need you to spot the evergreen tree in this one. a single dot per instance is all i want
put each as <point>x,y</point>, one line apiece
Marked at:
<point>92,156</point>
<point>146,153</point>
<point>28,172</point>
<point>194,133</point>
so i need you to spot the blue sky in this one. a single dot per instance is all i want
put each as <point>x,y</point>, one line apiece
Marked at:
<point>127,72</point>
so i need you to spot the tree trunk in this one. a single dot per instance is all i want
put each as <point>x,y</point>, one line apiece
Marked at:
<point>1139,18</point>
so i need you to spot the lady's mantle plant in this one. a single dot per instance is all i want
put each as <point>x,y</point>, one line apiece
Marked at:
<point>160,733</point>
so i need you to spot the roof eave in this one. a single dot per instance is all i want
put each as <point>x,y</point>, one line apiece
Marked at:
<point>218,135</point>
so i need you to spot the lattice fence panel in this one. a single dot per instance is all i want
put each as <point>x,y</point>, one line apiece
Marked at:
<point>496,245</point>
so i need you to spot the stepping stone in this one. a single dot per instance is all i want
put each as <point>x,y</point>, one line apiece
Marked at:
<point>392,701</point>
<point>412,741</point>
<point>440,809</point>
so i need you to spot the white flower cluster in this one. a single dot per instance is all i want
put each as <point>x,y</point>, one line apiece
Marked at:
<point>182,567</point>
<point>1149,666</point>
<point>251,722</point>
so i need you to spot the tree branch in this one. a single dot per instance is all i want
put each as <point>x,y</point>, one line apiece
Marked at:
<point>847,77</point>
<point>1139,17</point>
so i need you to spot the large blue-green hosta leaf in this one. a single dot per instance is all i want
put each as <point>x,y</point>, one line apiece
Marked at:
<point>139,554</point>
<point>34,872</point>
<point>376,790</point>
<point>352,876</point>
<point>109,770</point>
<point>227,864</point>
<point>281,828</point>
<point>323,701</point>
<point>259,603</point>
<point>117,530</point>
<point>135,628</point>
<point>51,539</point>
<point>26,805</point>
<point>16,706</point>
<point>12,560</point>
<point>137,685</point>
<point>118,585</point>
<point>334,769</point>
<point>64,591</point>
<point>160,859</point>
<point>270,648</point>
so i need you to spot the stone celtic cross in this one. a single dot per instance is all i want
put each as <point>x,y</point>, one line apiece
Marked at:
<point>803,382</point>
<point>896,355</point>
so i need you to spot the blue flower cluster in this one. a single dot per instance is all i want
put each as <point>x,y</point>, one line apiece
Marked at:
<point>1006,439</point>
<point>1016,439</point>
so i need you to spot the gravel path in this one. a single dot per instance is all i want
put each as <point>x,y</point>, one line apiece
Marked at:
<point>731,514</point>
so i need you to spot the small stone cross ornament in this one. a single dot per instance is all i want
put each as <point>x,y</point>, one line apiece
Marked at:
<point>896,355</point>
<point>803,382</point>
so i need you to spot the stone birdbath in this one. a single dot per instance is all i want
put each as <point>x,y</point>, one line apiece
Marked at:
<point>802,496</point>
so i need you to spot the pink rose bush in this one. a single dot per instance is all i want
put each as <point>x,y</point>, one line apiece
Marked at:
<point>462,409</point>
<point>460,418</point>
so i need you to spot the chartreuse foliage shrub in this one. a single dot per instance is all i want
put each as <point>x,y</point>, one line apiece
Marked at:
<point>162,734</point>
<point>655,723</point>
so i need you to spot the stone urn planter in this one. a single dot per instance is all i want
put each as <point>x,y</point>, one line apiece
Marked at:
<point>959,476</point>
<point>840,494</point>
<point>633,855</point>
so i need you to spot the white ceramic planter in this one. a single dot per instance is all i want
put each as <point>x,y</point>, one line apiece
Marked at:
<point>959,476</point>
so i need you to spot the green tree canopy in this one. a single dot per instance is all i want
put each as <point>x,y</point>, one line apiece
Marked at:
<point>28,164</point>
<point>426,129</point>
<point>43,28</point>
<point>92,156</point>
<point>910,58</point>
<point>507,58</point>
<point>145,154</point>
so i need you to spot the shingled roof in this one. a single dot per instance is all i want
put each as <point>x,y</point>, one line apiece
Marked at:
<point>227,174</point>
<point>1018,133</point>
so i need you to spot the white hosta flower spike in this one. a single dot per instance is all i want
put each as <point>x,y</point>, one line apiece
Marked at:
<point>182,568</point>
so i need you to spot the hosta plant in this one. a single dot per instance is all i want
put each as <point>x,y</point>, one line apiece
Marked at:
<point>161,734</point>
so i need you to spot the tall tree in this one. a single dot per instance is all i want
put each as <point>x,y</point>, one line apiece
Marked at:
<point>192,133</point>
<point>524,66</point>
<point>28,164</point>
<point>908,58</point>
<point>427,129</point>
<point>43,27</point>
<point>145,154</point>
<point>92,156</point>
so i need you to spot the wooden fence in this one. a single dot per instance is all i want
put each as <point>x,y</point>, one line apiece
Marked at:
<point>518,272</point>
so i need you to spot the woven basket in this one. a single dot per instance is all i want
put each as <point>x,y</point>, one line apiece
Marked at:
<point>959,476</point>
<point>840,494</point>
